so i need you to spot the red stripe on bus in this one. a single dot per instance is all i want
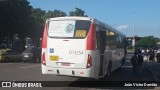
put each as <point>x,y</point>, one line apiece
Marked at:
<point>44,39</point>
<point>91,39</point>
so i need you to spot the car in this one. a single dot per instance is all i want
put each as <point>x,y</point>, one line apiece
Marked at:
<point>31,55</point>
<point>7,55</point>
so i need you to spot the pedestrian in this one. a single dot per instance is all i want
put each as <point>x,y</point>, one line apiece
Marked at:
<point>134,63</point>
<point>158,56</point>
<point>140,64</point>
<point>137,62</point>
<point>143,51</point>
<point>151,55</point>
<point>147,54</point>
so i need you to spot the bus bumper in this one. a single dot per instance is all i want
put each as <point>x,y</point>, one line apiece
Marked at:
<point>78,72</point>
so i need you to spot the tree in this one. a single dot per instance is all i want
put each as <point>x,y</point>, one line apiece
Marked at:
<point>36,24</point>
<point>38,19</point>
<point>18,17</point>
<point>77,12</point>
<point>147,42</point>
<point>14,17</point>
<point>55,13</point>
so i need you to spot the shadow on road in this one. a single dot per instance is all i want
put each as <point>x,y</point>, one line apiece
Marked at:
<point>106,85</point>
<point>112,83</point>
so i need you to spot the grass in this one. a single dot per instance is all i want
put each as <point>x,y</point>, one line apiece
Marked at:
<point>130,50</point>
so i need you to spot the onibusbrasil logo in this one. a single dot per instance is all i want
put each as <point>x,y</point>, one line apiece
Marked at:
<point>21,84</point>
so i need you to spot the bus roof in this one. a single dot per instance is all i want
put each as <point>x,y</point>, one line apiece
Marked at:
<point>70,18</point>
<point>93,20</point>
<point>107,26</point>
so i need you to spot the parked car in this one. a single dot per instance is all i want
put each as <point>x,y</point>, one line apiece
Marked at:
<point>9,55</point>
<point>31,55</point>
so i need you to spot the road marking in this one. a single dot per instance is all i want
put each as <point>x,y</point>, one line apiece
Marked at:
<point>11,63</point>
<point>30,66</point>
<point>4,64</point>
<point>7,63</point>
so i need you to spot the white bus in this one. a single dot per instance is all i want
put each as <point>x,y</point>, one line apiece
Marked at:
<point>81,47</point>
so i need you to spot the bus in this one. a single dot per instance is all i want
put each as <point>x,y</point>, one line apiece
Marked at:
<point>81,47</point>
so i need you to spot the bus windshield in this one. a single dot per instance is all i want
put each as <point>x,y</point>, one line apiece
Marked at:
<point>68,29</point>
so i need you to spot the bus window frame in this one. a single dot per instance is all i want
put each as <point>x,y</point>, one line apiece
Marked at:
<point>87,31</point>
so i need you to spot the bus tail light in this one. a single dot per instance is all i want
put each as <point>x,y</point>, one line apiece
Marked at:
<point>91,38</point>
<point>44,39</point>
<point>44,44</point>
<point>89,61</point>
<point>43,59</point>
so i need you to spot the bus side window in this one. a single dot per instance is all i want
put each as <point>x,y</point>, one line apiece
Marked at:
<point>101,41</point>
<point>107,40</point>
<point>97,39</point>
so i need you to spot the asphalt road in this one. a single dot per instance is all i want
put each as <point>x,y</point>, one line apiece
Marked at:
<point>19,71</point>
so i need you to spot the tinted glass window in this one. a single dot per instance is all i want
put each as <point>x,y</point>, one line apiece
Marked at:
<point>68,29</point>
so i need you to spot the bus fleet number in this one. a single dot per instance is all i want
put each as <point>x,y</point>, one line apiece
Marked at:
<point>76,52</point>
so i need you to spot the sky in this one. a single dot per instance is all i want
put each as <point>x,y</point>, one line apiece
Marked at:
<point>132,17</point>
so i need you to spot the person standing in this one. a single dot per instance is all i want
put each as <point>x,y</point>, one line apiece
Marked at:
<point>145,57</point>
<point>143,51</point>
<point>140,64</point>
<point>137,62</point>
<point>134,63</point>
<point>158,56</point>
<point>151,55</point>
<point>147,54</point>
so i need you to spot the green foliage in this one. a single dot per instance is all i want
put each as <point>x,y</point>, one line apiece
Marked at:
<point>14,17</point>
<point>55,13</point>
<point>39,16</point>
<point>18,17</point>
<point>149,41</point>
<point>36,24</point>
<point>77,12</point>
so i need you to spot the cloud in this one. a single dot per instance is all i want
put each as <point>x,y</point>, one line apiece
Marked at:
<point>122,27</point>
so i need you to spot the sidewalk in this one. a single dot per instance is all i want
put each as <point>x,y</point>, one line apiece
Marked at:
<point>154,68</point>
